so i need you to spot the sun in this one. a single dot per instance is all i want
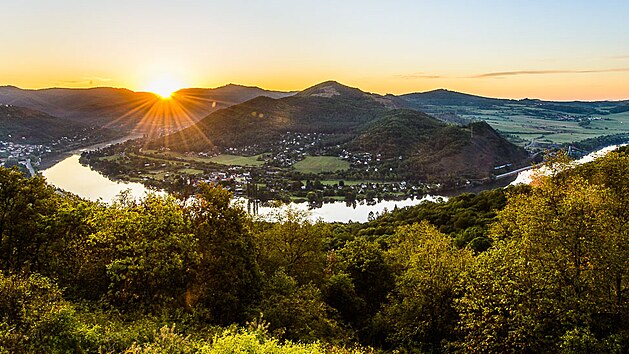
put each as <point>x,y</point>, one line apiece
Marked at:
<point>164,87</point>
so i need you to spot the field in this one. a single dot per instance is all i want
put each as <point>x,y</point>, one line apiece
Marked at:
<point>331,182</point>
<point>191,171</point>
<point>528,123</point>
<point>226,159</point>
<point>319,164</point>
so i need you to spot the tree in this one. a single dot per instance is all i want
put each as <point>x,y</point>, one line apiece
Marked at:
<point>33,316</point>
<point>559,269</point>
<point>421,310</point>
<point>25,206</point>
<point>146,250</point>
<point>293,243</point>
<point>227,279</point>
<point>297,312</point>
<point>359,286</point>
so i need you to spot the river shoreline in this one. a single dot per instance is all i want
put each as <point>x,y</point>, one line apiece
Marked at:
<point>56,157</point>
<point>70,175</point>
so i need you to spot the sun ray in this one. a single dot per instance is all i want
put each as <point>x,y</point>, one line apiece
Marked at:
<point>165,119</point>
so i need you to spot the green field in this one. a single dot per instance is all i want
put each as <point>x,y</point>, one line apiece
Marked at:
<point>331,182</point>
<point>226,159</point>
<point>191,171</point>
<point>319,164</point>
<point>528,123</point>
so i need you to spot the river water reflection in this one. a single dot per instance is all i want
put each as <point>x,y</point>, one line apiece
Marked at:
<point>73,177</point>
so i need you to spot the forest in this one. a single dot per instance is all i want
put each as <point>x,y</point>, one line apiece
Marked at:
<point>539,268</point>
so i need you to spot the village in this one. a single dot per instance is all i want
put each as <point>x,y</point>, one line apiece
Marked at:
<point>299,167</point>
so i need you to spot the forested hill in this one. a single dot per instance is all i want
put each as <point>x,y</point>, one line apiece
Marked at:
<point>442,97</point>
<point>161,275</point>
<point>27,126</point>
<point>417,146</point>
<point>431,148</point>
<point>329,108</point>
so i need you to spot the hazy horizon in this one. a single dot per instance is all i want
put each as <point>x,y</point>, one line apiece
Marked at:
<point>263,88</point>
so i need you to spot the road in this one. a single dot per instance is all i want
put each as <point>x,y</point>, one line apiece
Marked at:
<point>30,168</point>
<point>513,172</point>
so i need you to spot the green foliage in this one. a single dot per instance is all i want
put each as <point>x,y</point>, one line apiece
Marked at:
<point>421,311</point>
<point>466,217</point>
<point>258,341</point>
<point>227,279</point>
<point>26,204</point>
<point>561,265</point>
<point>361,284</point>
<point>166,341</point>
<point>294,244</point>
<point>552,275</point>
<point>146,249</point>
<point>298,312</point>
<point>33,316</point>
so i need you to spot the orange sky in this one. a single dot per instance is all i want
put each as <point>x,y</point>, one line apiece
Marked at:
<point>560,50</point>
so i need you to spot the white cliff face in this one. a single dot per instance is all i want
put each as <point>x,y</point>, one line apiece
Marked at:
<point>526,177</point>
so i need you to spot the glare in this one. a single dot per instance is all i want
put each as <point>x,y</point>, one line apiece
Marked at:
<point>164,87</point>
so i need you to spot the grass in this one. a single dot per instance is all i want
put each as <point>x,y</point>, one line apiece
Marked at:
<point>226,159</point>
<point>110,158</point>
<point>319,164</point>
<point>191,171</point>
<point>331,182</point>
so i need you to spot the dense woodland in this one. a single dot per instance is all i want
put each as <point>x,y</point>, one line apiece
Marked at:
<point>540,268</point>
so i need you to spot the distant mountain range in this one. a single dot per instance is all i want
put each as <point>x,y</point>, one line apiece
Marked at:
<point>409,141</point>
<point>27,126</point>
<point>128,110</point>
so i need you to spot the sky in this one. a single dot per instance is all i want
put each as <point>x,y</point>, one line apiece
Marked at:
<point>560,50</point>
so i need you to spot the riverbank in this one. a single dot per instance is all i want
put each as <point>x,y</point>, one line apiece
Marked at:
<point>54,158</point>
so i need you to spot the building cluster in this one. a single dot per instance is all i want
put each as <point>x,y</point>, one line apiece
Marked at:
<point>10,151</point>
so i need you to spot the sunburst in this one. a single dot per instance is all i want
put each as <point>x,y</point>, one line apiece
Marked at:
<point>164,87</point>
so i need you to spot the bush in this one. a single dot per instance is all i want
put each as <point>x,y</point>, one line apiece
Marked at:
<point>33,316</point>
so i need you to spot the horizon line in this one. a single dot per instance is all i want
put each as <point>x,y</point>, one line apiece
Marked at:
<point>296,91</point>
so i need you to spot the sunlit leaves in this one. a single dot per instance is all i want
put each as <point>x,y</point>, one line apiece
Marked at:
<point>428,266</point>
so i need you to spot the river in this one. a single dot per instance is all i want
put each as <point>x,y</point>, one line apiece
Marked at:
<point>70,175</point>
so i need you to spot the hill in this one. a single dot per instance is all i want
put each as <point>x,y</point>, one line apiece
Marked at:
<point>443,97</point>
<point>128,110</point>
<point>429,148</point>
<point>527,122</point>
<point>328,108</point>
<point>27,126</point>
<point>411,143</point>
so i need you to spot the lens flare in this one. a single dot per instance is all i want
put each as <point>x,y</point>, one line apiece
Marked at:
<point>164,87</point>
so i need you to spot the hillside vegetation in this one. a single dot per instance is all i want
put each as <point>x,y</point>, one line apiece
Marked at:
<point>431,149</point>
<point>27,126</point>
